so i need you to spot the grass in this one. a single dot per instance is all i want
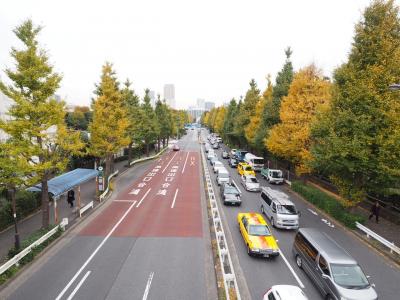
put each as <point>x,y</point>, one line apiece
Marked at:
<point>328,204</point>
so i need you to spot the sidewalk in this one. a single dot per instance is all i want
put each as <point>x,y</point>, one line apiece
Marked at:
<point>34,222</point>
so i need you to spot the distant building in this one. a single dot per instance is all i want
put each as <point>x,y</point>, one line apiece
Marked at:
<point>152,95</point>
<point>195,113</point>
<point>169,95</point>
<point>201,103</point>
<point>209,105</point>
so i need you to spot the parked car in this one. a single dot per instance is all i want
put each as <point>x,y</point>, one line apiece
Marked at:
<point>217,165</point>
<point>257,235</point>
<point>272,175</point>
<point>222,176</point>
<point>281,212</point>
<point>176,147</point>
<point>230,194</point>
<point>225,155</point>
<point>250,183</point>
<point>245,169</point>
<point>233,162</point>
<point>331,268</point>
<point>285,292</point>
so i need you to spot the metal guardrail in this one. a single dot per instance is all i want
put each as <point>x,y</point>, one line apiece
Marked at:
<point>369,232</point>
<point>85,208</point>
<point>108,185</point>
<point>228,273</point>
<point>27,250</point>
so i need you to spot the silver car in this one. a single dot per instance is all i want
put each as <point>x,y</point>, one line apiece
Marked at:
<point>335,273</point>
<point>250,183</point>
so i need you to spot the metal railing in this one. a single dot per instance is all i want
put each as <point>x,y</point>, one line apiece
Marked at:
<point>27,250</point>
<point>370,233</point>
<point>228,273</point>
<point>85,208</point>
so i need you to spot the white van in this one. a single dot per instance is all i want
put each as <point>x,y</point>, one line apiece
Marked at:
<point>256,162</point>
<point>222,176</point>
<point>281,212</point>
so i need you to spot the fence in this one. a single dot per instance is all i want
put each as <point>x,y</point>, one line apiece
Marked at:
<point>228,273</point>
<point>27,250</point>
<point>370,233</point>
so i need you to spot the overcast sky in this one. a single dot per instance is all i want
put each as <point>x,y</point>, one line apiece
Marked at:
<point>207,49</point>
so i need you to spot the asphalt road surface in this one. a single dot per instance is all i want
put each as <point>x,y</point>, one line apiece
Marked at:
<point>150,242</point>
<point>260,274</point>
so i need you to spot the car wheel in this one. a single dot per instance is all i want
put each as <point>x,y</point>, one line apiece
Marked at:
<point>262,209</point>
<point>329,297</point>
<point>299,261</point>
<point>272,222</point>
<point>248,250</point>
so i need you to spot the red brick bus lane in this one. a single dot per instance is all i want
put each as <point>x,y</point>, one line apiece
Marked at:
<point>165,202</point>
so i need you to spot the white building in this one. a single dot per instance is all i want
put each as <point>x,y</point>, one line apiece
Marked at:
<point>169,95</point>
<point>201,104</point>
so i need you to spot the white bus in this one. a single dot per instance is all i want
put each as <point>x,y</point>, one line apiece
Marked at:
<point>256,162</point>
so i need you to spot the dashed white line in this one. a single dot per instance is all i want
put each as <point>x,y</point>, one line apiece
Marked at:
<point>184,165</point>
<point>141,200</point>
<point>169,162</point>
<point>291,270</point>
<point>96,250</point>
<point>173,202</point>
<point>78,286</point>
<point>313,212</point>
<point>147,290</point>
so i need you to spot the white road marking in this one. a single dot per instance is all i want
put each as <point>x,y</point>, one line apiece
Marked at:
<point>173,202</point>
<point>78,286</point>
<point>184,165</point>
<point>236,186</point>
<point>291,270</point>
<point>313,212</point>
<point>141,200</point>
<point>96,250</point>
<point>147,290</point>
<point>129,201</point>
<point>169,162</point>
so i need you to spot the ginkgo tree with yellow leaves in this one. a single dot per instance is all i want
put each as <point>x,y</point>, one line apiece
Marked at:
<point>309,93</point>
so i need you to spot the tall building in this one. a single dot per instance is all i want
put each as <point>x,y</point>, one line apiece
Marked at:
<point>201,103</point>
<point>209,105</point>
<point>152,95</point>
<point>169,95</point>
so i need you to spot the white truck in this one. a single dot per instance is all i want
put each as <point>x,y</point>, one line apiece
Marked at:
<point>256,162</point>
<point>272,176</point>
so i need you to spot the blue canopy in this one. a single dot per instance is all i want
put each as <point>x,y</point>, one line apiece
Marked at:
<point>65,182</point>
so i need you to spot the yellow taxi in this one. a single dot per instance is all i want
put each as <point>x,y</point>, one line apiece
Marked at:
<point>257,235</point>
<point>245,169</point>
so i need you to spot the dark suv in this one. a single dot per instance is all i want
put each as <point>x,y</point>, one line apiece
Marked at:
<point>230,194</point>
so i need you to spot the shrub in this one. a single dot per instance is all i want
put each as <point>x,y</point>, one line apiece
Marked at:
<point>328,204</point>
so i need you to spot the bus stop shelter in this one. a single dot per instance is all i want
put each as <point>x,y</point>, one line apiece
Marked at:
<point>62,184</point>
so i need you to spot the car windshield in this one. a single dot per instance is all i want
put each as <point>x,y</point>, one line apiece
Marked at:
<point>349,276</point>
<point>223,175</point>
<point>230,190</point>
<point>251,179</point>
<point>260,230</point>
<point>287,209</point>
<point>276,174</point>
<point>248,169</point>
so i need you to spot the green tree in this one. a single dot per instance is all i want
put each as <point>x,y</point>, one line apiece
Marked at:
<point>133,113</point>
<point>36,126</point>
<point>357,142</point>
<point>247,110</point>
<point>229,121</point>
<point>109,128</point>
<point>163,114</point>
<point>148,127</point>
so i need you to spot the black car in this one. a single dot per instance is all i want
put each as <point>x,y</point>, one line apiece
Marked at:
<point>230,194</point>
<point>225,154</point>
<point>233,162</point>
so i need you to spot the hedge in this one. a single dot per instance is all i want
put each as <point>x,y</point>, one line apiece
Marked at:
<point>35,251</point>
<point>26,202</point>
<point>328,204</point>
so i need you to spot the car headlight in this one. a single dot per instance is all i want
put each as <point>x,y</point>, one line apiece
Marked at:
<point>255,250</point>
<point>275,250</point>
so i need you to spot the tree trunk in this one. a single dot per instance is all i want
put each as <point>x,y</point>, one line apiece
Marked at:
<point>158,144</point>
<point>130,153</point>
<point>11,193</point>
<point>147,149</point>
<point>163,142</point>
<point>45,203</point>
<point>107,171</point>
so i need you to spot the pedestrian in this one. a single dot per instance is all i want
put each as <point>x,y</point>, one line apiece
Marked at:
<point>71,197</point>
<point>375,211</point>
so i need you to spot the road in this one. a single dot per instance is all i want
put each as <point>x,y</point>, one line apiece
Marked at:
<point>151,241</point>
<point>260,274</point>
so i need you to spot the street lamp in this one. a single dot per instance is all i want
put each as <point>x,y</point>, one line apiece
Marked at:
<point>394,87</point>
